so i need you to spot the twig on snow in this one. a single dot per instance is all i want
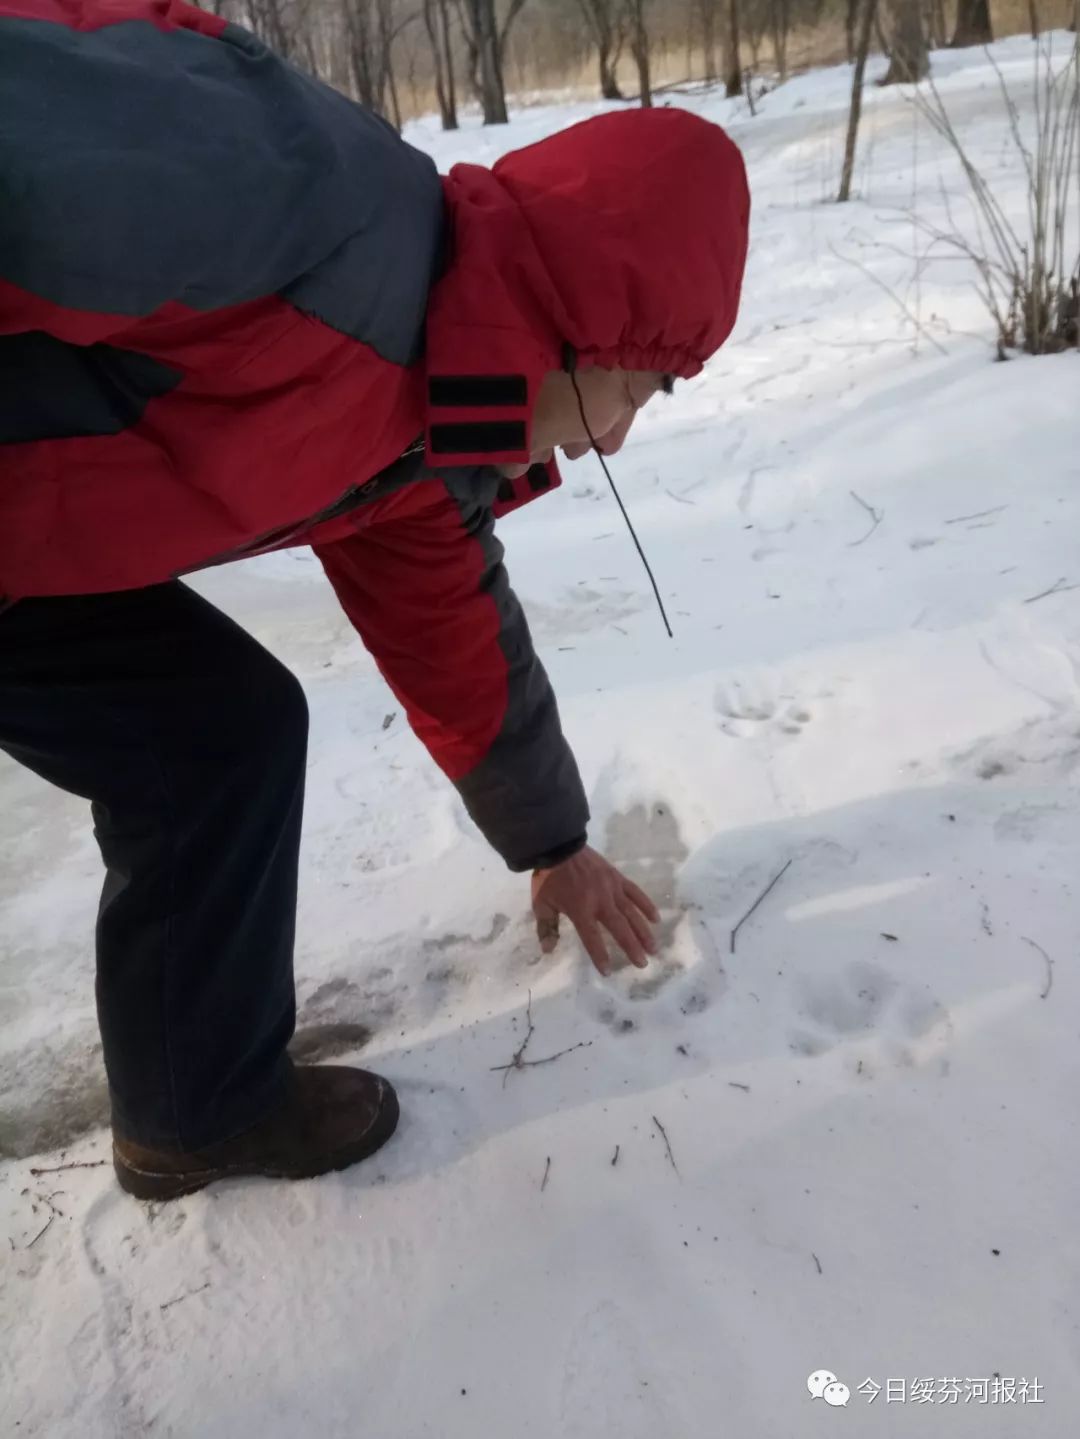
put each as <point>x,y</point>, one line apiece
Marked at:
<point>73,1164</point>
<point>667,1144</point>
<point>816,1260</point>
<point>734,1084</point>
<point>777,877</point>
<point>876,517</point>
<point>1057,588</point>
<point>615,1157</point>
<point>516,1062</point>
<point>1049,965</point>
<point>40,1232</point>
<point>520,1062</point>
<point>547,1059</point>
<point>681,498</point>
<point>978,515</point>
<point>547,1171</point>
<point>170,1302</point>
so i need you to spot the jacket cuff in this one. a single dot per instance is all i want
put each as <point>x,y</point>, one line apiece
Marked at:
<point>552,857</point>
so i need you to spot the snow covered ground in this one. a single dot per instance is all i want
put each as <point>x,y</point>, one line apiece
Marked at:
<point>870,1099</point>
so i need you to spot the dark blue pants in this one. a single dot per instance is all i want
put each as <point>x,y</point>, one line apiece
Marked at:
<point>190,740</point>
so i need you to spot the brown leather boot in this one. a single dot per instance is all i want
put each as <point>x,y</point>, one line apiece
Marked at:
<point>333,1117</point>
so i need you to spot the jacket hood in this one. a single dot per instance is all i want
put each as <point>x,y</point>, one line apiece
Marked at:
<point>623,237</point>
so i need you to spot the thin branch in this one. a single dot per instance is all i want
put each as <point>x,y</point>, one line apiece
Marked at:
<point>40,1232</point>
<point>816,1260</point>
<point>1049,965</point>
<point>734,1084</point>
<point>880,283</point>
<point>75,1164</point>
<point>547,1171</point>
<point>1059,587</point>
<point>170,1302</point>
<point>762,896</point>
<point>978,515</point>
<point>876,517</point>
<point>516,1063</point>
<point>667,1144</point>
<point>520,1062</point>
<point>615,1157</point>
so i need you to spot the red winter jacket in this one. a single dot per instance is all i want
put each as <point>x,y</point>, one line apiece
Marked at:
<point>232,301</point>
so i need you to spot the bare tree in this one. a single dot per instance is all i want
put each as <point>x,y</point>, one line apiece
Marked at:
<point>851,16</point>
<point>639,47</point>
<point>863,49</point>
<point>972,24</point>
<point>707,11</point>
<point>780,16</point>
<point>733,75</point>
<point>437,25</point>
<point>606,26</point>
<point>1033,18</point>
<point>934,14</point>
<point>909,57</point>
<point>370,31</point>
<point>486,45</point>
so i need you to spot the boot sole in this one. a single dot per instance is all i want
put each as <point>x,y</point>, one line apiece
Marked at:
<point>159,1186</point>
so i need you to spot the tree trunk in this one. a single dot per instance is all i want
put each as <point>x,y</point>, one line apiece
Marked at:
<point>485,56</point>
<point>851,15</point>
<point>869,7</point>
<point>780,14</point>
<point>707,9</point>
<point>606,30</point>
<point>442,61</point>
<point>609,84</point>
<point>448,53</point>
<point>639,46</point>
<point>387,79</point>
<point>1033,17</point>
<point>972,24</point>
<point>733,77</point>
<point>909,59</point>
<point>934,15</point>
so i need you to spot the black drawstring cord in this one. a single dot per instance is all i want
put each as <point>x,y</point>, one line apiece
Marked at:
<point>570,365</point>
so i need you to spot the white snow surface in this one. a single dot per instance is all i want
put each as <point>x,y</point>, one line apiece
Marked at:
<point>870,1099</point>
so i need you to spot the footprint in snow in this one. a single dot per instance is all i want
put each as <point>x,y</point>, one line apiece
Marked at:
<point>758,708</point>
<point>880,1021</point>
<point>646,845</point>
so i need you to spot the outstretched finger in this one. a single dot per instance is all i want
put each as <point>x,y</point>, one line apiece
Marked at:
<point>547,926</point>
<point>623,934</point>
<point>595,947</point>
<point>642,900</point>
<point>641,926</point>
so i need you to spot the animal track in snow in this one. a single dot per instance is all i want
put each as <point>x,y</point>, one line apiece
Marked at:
<point>648,848</point>
<point>1048,746</point>
<point>749,709</point>
<point>880,1020</point>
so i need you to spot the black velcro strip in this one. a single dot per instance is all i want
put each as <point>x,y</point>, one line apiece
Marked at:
<point>539,479</point>
<point>505,494</point>
<point>475,392</point>
<point>478,439</point>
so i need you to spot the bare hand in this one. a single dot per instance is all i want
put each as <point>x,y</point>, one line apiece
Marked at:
<point>595,897</point>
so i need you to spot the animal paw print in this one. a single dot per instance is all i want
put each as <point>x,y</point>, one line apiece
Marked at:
<point>748,709</point>
<point>880,1022</point>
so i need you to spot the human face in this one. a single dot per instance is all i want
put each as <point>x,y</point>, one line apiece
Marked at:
<point>611,399</point>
